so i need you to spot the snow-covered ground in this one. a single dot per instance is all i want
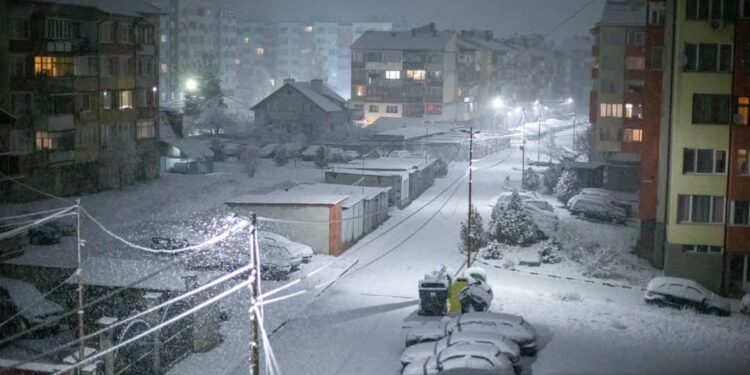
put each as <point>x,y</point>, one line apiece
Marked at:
<point>355,325</point>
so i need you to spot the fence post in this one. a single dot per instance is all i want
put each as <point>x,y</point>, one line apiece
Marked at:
<point>105,342</point>
<point>152,299</point>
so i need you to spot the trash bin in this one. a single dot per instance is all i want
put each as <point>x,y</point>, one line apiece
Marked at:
<point>433,295</point>
<point>475,298</point>
<point>454,299</point>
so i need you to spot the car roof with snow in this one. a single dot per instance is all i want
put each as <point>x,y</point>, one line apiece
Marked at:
<point>27,296</point>
<point>663,280</point>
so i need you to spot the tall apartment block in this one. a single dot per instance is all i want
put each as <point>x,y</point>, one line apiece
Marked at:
<point>81,83</point>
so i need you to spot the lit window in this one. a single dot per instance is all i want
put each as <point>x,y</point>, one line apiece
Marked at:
<point>247,40</point>
<point>44,141</point>
<point>360,90</point>
<point>106,99</point>
<point>628,110</point>
<point>53,66</point>
<point>236,61</point>
<point>393,74</point>
<point>145,129</point>
<point>308,29</point>
<point>417,75</point>
<point>610,110</point>
<point>633,135</point>
<point>126,99</point>
<point>743,167</point>
<point>260,51</point>
<point>635,63</point>
<point>743,110</point>
<point>164,68</point>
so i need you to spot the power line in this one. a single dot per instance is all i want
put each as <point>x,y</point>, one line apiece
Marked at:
<point>15,231</point>
<point>38,191</point>
<point>566,20</point>
<point>36,301</point>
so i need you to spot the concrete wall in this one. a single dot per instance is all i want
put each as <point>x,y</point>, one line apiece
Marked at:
<point>703,268</point>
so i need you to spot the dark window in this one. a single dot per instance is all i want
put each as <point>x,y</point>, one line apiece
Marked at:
<point>705,162</point>
<point>741,214</point>
<point>688,161</point>
<point>701,212</point>
<point>657,58</point>
<point>712,109</point>
<point>691,53</point>
<point>725,58</point>
<point>708,57</point>
<point>707,54</point>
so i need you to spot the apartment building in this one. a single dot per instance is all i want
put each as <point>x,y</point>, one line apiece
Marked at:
<point>257,73</point>
<point>82,85</point>
<point>405,74</point>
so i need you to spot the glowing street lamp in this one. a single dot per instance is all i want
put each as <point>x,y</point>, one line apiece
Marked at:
<point>497,103</point>
<point>191,85</point>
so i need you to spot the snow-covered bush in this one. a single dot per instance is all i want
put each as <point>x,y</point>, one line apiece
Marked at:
<point>567,186</point>
<point>550,253</point>
<point>512,224</point>
<point>596,261</point>
<point>494,251</point>
<point>551,177</point>
<point>322,157</point>
<point>509,264</point>
<point>531,180</point>
<point>280,157</point>
<point>569,297</point>
<point>477,238</point>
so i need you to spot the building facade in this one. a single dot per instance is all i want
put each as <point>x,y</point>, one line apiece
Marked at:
<point>83,86</point>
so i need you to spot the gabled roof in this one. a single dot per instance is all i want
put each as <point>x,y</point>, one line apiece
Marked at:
<point>131,8</point>
<point>405,40</point>
<point>327,100</point>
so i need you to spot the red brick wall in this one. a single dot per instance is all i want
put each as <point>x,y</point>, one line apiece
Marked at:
<point>334,230</point>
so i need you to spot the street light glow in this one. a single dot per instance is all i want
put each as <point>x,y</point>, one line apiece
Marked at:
<point>191,84</point>
<point>570,101</point>
<point>497,103</point>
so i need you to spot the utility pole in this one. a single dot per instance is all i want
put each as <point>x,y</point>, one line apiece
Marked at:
<point>575,135</point>
<point>471,162</point>
<point>79,277</point>
<point>539,134</point>
<point>254,279</point>
<point>523,147</point>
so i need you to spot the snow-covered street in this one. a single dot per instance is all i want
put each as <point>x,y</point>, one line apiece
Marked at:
<point>355,326</point>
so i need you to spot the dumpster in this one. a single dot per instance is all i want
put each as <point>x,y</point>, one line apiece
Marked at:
<point>433,293</point>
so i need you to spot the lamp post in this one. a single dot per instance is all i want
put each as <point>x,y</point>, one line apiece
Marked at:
<point>471,165</point>
<point>523,147</point>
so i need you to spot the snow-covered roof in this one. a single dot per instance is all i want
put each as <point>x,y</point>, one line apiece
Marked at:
<point>367,172</point>
<point>287,198</point>
<point>406,40</point>
<point>387,164</point>
<point>354,193</point>
<point>192,148</point>
<point>624,13</point>
<point>327,99</point>
<point>133,8</point>
<point>28,297</point>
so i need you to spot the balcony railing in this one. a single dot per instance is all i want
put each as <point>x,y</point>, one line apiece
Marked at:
<point>55,123</point>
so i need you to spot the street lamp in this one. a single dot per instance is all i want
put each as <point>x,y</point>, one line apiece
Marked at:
<point>471,167</point>
<point>191,85</point>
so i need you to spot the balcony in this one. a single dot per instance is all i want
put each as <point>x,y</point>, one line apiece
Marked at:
<point>58,157</point>
<point>55,123</point>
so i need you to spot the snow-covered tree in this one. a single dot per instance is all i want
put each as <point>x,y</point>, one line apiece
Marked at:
<point>495,250</point>
<point>322,157</point>
<point>281,157</point>
<point>567,185</point>
<point>551,177</point>
<point>550,252</point>
<point>475,239</point>
<point>531,180</point>
<point>512,224</point>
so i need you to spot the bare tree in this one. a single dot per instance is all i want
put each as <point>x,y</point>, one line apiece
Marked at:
<point>124,161</point>
<point>249,159</point>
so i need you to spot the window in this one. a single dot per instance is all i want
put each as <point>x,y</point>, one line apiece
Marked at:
<point>392,74</point>
<point>434,109</point>
<point>308,29</point>
<point>85,66</point>
<point>704,161</point>
<point>58,28</point>
<point>741,213</point>
<point>743,110</point>
<point>373,108</point>
<point>123,32</point>
<point>657,57</point>
<point>260,51</point>
<point>62,104</point>
<point>635,63</point>
<point>633,135</point>
<point>126,99</point>
<point>144,34</point>
<point>417,75</point>
<point>144,129</point>
<point>53,66</point>
<point>358,57</point>
<point>107,33</point>
<point>712,109</point>
<point>704,10</point>
<point>392,56</point>
<point>110,66</point>
<point>86,136</point>
<point>702,249</point>
<point>700,209</point>
<point>743,167</point>
<point>84,102</point>
<point>107,100</point>
<point>18,28</point>
<point>391,109</point>
<point>635,38</point>
<point>21,103</point>
<point>373,57</point>
<point>435,75</point>
<point>708,57</point>
<point>105,134</point>
<point>145,65</point>
<point>17,66</point>
<point>359,90</point>
<point>656,13</point>
<point>45,142</point>
<point>126,65</point>
<point>610,110</point>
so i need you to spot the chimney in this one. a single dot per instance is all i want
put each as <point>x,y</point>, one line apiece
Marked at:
<point>288,80</point>
<point>317,85</point>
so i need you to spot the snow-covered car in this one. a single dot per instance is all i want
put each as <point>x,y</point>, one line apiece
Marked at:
<point>679,292</point>
<point>463,357</point>
<point>606,194</point>
<point>295,249</point>
<point>268,151</point>
<point>350,155</point>
<point>309,153</point>
<point>17,295</point>
<point>745,304</point>
<point>597,208</point>
<point>422,351</point>
<point>511,326</point>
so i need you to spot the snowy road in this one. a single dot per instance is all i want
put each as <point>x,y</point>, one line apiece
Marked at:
<point>355,326</point>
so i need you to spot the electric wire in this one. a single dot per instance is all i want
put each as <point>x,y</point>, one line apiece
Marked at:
<point>36,301</point>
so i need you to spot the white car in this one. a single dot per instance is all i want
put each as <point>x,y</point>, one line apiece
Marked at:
<point>463,357</point>
<point>745,304</point>
<point>606,194</point>
<point>422,351</point>
<point>512,327</point>
<point>596,207</point>
<point>679,292</point>
<point>295,249</point>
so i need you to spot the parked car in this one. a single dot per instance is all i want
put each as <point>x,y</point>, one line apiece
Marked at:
<point>295,249</point>
<point>513,327</point>
<point>745,304</point>
<point>463,357</point>
<point>678,292</point>
<point>606,194</point>
<point>422,351</point>
<point>541,212</point>
<point>19,296</point>
<point>596,208</point>
<point>268,151</point>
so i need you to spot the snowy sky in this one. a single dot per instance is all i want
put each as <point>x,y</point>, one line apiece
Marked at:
<point>505,17</point>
